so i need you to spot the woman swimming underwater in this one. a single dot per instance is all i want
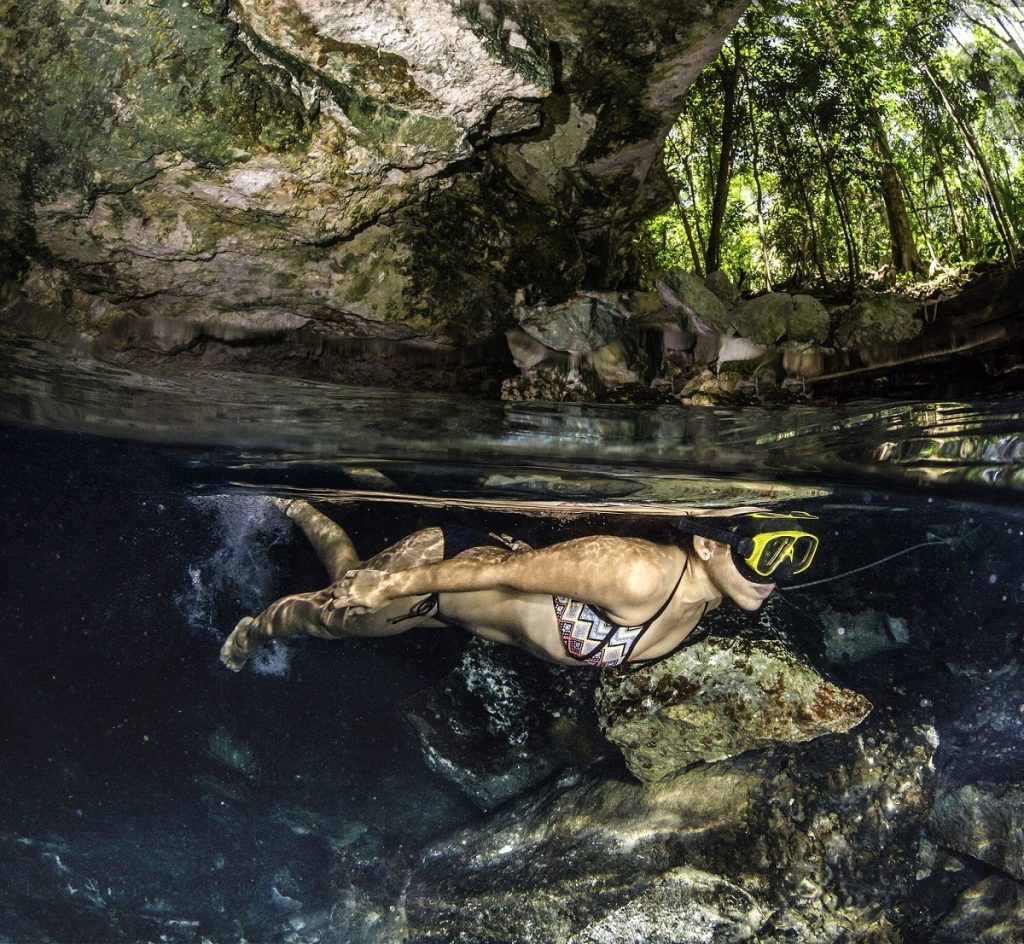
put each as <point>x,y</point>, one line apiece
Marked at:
<point>600,600</point>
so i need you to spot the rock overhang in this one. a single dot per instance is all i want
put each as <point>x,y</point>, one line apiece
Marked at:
<point>397,169</point>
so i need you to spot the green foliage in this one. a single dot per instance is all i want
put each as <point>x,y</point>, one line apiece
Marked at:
<point>870,138</point>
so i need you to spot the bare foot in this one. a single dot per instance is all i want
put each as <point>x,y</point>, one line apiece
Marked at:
<point>284,505</point>
<point>235,651</point>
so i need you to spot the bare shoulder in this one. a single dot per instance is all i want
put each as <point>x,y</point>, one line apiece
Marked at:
<point>641,568</point>
<point>607,547</point>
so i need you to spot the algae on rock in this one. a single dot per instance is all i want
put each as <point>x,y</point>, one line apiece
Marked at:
<point>718,698</point>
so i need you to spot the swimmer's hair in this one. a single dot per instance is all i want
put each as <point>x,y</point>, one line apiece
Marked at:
<point>684,532</point>
<point>714,527</point>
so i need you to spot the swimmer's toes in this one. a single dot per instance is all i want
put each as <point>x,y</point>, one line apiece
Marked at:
<point>294,508</point>
<point>235,651</point>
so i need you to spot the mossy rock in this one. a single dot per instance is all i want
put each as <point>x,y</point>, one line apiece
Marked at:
<point>765,319</point>
<point>878,319</point>
<point>809,320</point>
<point>716,699</point>
<point>695,298</point>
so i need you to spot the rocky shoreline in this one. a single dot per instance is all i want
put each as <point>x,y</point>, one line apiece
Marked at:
<point>698,342</point>
<point>691,341</point>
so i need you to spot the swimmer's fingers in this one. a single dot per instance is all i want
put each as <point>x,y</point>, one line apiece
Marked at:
<point>361,591</point>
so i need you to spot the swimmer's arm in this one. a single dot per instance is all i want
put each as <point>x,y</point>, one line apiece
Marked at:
<point>628,577</point>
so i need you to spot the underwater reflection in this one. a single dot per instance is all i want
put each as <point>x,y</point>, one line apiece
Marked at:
<point>319,428</point>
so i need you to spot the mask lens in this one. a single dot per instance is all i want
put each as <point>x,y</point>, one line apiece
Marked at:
<point>772,551</point>
<point>803,552</point>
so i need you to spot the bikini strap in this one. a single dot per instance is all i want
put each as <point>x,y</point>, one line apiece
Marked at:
<point>692,637</point>
<point>668,599</point>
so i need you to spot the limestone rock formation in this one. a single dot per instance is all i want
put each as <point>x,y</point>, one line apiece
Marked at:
<point>991,911</point>
<point>807,843</point>
<point>579,348</point>
<point>179,174</point>
<point>766,318</point>
<point>716,699</point>
<point>809,320</point>
<point>879,318</point>
<point>578,326</point>
<point>775,315</point>
<point>687,292</point>
<point>719,283</point>
<point>851,637</point>
<point>684,905</point>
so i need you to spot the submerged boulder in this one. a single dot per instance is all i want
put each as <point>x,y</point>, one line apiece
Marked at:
<point>807,842</point>
<point>684,906</point>
<point>852,637</point>
<point>716,699</point>
<point>983,820</point>
<point>991,911</point>
<point>501,723</point>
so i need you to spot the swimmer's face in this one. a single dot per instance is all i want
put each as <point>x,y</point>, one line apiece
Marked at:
<point>727,579</point>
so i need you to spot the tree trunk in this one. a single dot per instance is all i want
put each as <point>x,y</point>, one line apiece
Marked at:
<point>980,161</point>
<point>852,260</point>
<point>969,187</point>
<point>1011,18</point>
<point>696,206</point>
<point>798,185</point>
<point>679,160</point>
<point>922,224</point>
<point>813,230</point>
<point>961,236</point>
<point>905,257</point>
<point>694,254</point>
<point>730,82</point>
<point>1006,37</point>
<point>762,232</point>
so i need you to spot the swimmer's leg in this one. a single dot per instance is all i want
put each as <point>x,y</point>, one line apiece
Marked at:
<point>330,541</point>
<point>294,615</point>
<point>310,613</point>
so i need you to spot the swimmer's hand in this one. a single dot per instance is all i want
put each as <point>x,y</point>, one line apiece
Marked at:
<point>362,591</point>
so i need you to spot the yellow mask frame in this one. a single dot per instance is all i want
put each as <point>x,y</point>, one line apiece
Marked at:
<point>767,555</point>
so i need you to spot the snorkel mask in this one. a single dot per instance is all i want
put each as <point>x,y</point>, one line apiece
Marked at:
<point>766,546</point>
